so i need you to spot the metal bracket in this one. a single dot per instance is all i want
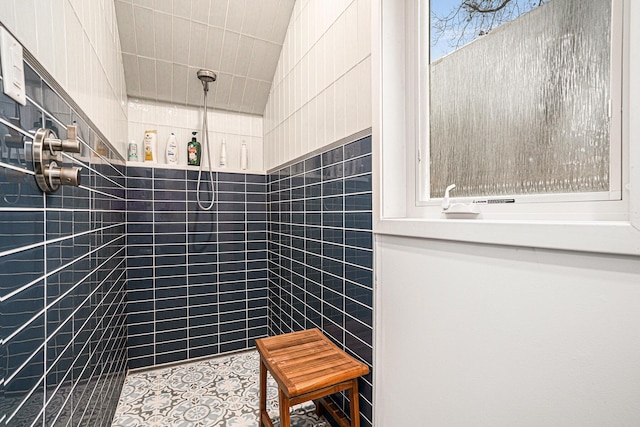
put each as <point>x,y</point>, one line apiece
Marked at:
<point>47,159</point>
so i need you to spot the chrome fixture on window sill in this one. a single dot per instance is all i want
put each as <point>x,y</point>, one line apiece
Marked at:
<point>47,159</point>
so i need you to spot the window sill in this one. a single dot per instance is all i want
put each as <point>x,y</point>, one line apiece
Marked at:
<point>396,128</point>
<point>610,237</point>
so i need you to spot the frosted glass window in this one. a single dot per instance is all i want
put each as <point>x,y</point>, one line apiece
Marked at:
<point>524,107</point>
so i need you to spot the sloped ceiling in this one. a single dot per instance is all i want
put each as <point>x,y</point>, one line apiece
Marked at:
<point>165,42</point>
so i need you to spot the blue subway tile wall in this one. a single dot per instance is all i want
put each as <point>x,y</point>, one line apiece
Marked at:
<point>197,279</point>
<point>320,254</point>
<point>62,273</point>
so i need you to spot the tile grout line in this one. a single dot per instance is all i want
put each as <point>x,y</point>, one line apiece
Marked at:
<point>188,276</point>
<point>45,317</point>
<point>246,265</point>
<point>153,264</point>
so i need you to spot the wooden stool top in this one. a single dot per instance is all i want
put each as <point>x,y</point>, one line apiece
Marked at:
<point>306,361</point>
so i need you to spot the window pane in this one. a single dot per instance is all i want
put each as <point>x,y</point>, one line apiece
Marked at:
<point>524,109</point>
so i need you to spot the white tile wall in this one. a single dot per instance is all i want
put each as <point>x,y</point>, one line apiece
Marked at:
<point>77,42</point>
<point>322,87</point>
<point>182,120</point>
<point>321,90</point>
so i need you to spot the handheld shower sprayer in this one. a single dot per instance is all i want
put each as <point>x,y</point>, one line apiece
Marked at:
<point>206,77</point>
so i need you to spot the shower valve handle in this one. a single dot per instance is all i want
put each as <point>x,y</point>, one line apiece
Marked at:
<point>47,159</point>
<point>69,145</point>
<point>56,176</point>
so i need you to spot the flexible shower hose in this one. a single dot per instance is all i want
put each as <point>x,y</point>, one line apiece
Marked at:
<point>205,142</point>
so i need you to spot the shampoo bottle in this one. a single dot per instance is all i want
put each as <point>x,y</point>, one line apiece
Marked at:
<point>150,143</point>
<point>193,151</point>
<point>243,156</point>
<point>172,150</point>
<point>223,154</point>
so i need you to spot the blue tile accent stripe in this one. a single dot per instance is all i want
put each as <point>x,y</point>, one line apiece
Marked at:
<point>320,253</point>
<point>197,280</point>
<point>62,275</point>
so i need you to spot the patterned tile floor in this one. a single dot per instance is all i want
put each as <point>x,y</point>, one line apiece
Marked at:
<point>222,392</point>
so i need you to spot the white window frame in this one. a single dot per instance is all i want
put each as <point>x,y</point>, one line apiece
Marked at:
<point>420,27</point>
<point>607,226</point>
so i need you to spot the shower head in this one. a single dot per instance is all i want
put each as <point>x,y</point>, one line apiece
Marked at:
<point>206,77</point>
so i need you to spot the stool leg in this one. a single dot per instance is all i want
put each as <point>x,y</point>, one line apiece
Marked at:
<point>354,405</point>
<point>263,390</point>
<point>285,420</point>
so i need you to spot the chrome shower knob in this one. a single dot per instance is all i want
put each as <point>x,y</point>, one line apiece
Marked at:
<point>57,176</point>
<point>47,157</point>
<point>70,176</point>
<point>69,145</point>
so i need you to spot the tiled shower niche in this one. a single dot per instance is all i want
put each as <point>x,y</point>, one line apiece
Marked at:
<point>321,253</point>
<point>62,273</point>
<point>197,280</point>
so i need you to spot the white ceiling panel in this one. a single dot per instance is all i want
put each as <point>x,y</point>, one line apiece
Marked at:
<point>164,77</point>
<point>264,60</point>
<point>163,35</point>
<point>237,91</point>
<point>164,43</point>
<point>251,17</point>
<point>197,44</point>
<point>179,84</point>
<point>281,21</point>
<point>245,48</point>
<point>165,6</point>
<point>200,11</point>
<point>145,42</point>
<point>182,8</point>
<point>229,52</point>
<point>268,14</point>
<point>132,76</point>
<point>223,88</point>
<point>126,27</point>
<point>181,37</point>
<point>262,94</point>
<point>249,95</point>
<point>145,3</point>
<point>212,57</point>
<point>235,15</point>
<point>218,12</point>
<point>147,69</point>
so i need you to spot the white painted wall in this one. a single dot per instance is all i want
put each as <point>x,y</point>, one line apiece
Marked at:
<point>77,42</point>
<point>322,87</point>
<point>182,120</point>
<point>472,334</point>
<point>475,334</point>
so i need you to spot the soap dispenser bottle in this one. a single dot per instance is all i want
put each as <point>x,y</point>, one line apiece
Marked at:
<point>193,151</point>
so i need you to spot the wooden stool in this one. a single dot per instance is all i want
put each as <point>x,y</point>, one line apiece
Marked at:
<point>307,366</point>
